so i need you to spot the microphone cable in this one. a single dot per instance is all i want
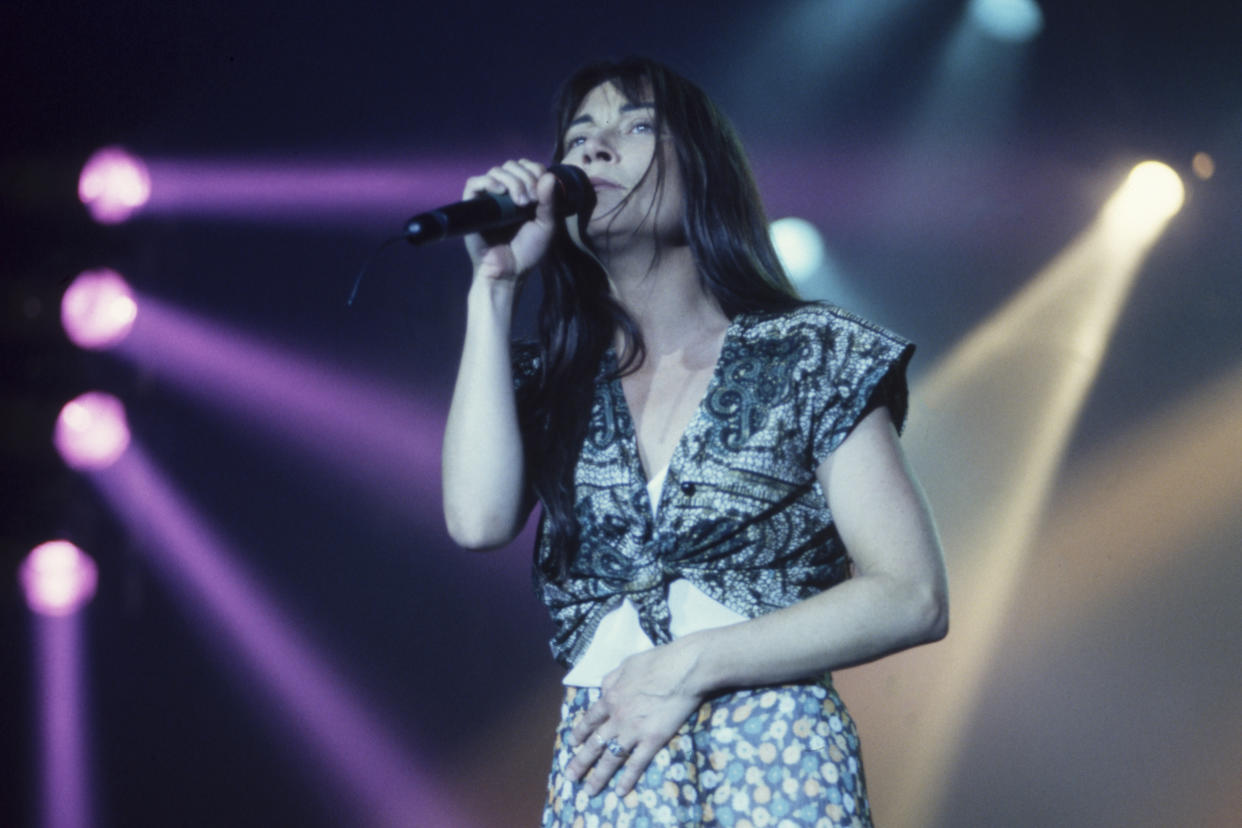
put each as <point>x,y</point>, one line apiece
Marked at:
<point>353,293</point>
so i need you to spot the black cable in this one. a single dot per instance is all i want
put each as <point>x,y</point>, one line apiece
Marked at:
<point>353,294</point>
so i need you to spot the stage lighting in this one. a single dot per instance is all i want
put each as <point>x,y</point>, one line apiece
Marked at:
<point>1203,165</point>
<point>799,246</point>
<point>1014,21</point>
<point>58,578</point>
<point>113,185</point>
<point>1150,196</point>
<point>98,309</point>
<point>1003,406</point>
<point>392,786</point>
<point>281,190</point>
<point>91,432</point>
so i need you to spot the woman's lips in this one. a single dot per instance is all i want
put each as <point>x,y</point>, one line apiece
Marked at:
<point>604,183</point>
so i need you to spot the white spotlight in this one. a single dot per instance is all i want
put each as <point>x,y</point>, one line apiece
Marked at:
<point>1151,195</point>
<point>1014,21</point>
<point>799,246</point>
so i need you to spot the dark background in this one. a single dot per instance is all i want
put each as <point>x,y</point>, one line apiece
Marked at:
<point>458,663</point>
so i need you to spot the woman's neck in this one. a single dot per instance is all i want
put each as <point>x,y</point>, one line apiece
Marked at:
<point>664,296</point>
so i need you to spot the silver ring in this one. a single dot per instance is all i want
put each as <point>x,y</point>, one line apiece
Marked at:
<point>614,747</point>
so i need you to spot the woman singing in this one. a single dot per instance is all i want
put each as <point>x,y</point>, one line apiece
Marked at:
<point>727,512</point>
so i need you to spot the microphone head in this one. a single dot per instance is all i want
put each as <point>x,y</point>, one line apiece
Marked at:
<point>574,193</point>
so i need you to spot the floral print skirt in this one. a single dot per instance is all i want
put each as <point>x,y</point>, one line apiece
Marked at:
<point>785,756</point>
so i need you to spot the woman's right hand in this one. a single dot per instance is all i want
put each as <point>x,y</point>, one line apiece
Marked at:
<point>526,182</point>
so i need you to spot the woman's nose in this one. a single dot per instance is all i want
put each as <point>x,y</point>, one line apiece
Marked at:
<point>595,149</point>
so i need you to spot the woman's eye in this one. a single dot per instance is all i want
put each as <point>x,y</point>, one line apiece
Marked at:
<point>643,126</point>
<point>575,140</point>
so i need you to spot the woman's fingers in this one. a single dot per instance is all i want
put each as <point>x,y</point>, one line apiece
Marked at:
<point>635,763</point>
<point>586,736</point>
<point>527,174</point>
<point>525,182</point>
<point>599,758</point>
<point>585,756</point>
<point>512,181</point>
<point>605,750</point>
<point>612,756</point>
<point>518,178</point>
<point>590,721</point>
<point>545,194</point>
<point>636,715</point>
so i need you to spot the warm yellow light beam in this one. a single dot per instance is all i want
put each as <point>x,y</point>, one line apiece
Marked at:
<point>1153,511</point>
<point>1143,499</point>
<point>997,414</point>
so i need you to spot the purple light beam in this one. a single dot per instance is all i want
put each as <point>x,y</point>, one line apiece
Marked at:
<point>316,190</point>
<point>388,440</point>
<point>66,784</point>
<point>381,440</point>
<point>391,787</point>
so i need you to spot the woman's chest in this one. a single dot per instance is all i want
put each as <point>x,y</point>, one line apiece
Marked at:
<point>738,433</point>
<point>662,402</point>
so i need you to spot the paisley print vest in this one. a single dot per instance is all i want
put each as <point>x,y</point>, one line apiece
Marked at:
<point>741,515</point>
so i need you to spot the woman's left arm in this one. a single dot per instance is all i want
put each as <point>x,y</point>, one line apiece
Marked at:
<point>897,598</point>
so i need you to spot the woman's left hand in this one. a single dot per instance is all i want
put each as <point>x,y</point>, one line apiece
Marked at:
<point>642,704</point>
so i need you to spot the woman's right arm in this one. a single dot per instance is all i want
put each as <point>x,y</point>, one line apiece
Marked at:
<point>483,470</point>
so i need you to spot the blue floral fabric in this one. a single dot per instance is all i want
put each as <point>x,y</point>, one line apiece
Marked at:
<point>785,756</point>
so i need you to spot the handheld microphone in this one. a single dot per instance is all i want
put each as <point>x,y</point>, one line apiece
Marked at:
<point>574,194</point>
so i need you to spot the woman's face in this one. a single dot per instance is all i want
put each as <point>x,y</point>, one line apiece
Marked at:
<point>614,140</point>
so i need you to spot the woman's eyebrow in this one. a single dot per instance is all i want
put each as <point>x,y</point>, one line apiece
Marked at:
<point>629,107</point>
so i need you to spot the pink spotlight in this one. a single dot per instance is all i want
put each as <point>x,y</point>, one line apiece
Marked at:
<point>91,432</point>
<point>98,309</point>
<point>113,185</point>
<point>58,578</point>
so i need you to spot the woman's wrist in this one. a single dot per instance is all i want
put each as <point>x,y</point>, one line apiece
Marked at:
<point>697,654</point>
<point>493,297</point>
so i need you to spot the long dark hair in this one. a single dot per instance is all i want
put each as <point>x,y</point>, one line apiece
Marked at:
<point>727,231</point>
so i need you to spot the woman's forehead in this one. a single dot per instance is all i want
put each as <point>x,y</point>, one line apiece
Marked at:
<point>609,96</point>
